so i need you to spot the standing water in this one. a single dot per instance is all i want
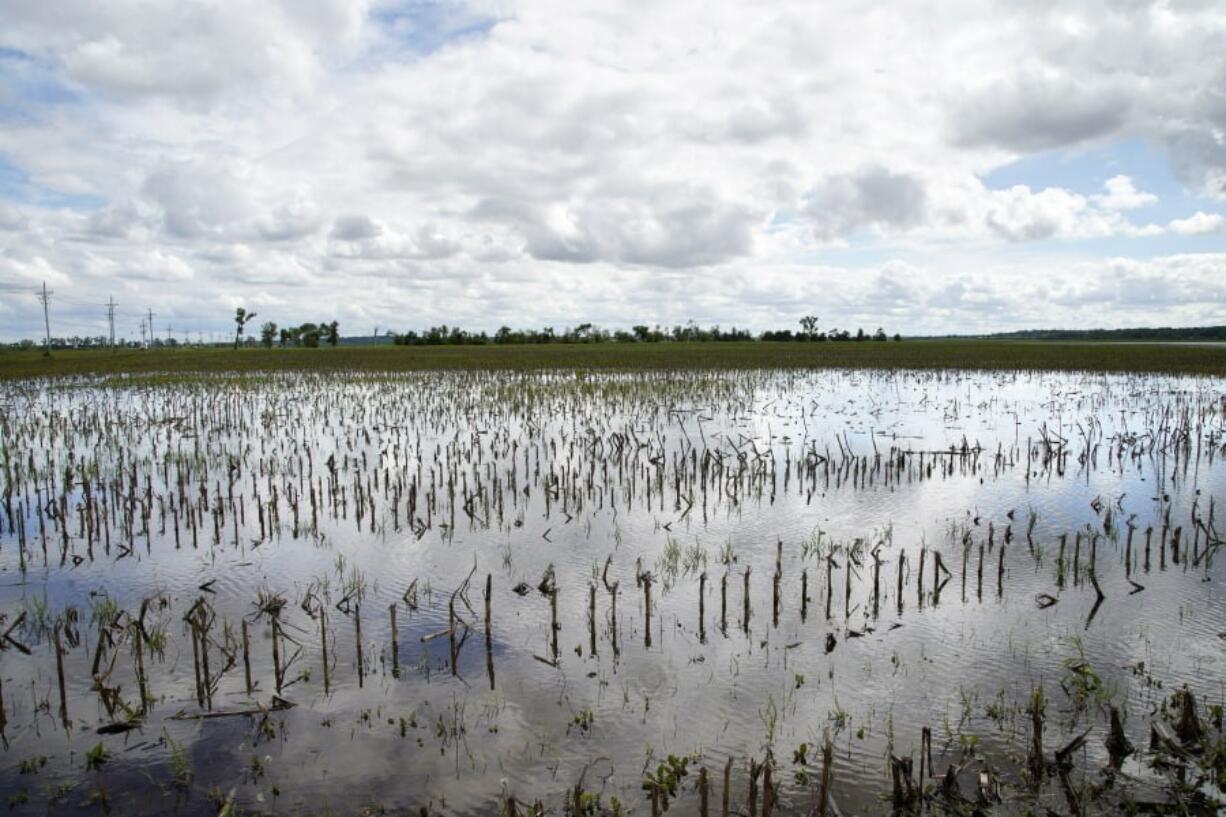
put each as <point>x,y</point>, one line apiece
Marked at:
<point>742,592</point>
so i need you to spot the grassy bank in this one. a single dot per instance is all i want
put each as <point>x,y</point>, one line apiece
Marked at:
<point>944,354</point>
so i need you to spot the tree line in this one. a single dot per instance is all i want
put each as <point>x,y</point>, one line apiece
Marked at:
<point>809,332</point>
<point>310,335</point>
<point>313,335</point>
<point>1175,333</point>
<point>307,334</point>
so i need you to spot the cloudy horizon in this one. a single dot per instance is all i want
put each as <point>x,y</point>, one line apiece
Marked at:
<point>928,168</point>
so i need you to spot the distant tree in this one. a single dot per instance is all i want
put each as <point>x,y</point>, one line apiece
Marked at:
<point>241,317</point>
<point>409,338</point>
<point>308,335</point>
<point>897,336</point>
<point>590,333</point>
<point>268,333</point>
<point>333,333</point>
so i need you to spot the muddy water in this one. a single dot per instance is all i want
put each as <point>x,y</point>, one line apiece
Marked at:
<point>1033,489</point>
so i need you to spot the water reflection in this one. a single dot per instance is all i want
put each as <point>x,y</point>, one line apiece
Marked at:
<point>921,551</point>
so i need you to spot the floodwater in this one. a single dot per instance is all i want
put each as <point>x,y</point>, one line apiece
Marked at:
<point>617,522</point>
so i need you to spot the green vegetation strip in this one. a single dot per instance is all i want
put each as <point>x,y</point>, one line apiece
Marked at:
<point>944,354</point>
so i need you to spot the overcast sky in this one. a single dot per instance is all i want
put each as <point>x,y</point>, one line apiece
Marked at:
<point>947,167</point>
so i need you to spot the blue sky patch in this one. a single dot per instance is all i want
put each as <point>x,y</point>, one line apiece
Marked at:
<point>16,186</point>
<point>28,79</point>
<point>421,27</point>
<point>1085,172</point>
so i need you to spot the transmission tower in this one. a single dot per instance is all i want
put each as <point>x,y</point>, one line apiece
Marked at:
<point>45,297</point>
<point>110,318</point>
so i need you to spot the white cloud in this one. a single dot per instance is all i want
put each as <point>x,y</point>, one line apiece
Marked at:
<point>1123,195</point>
<point>11,219</point>
<point>870,197</point>
<point>192,51</point>
<point>1199,224</point>
<point>1030,113</point>
<point>1019,214</point>
<point>355,228</point>
<point>566,162</point>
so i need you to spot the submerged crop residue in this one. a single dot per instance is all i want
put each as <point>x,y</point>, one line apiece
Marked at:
<point>739,592</point>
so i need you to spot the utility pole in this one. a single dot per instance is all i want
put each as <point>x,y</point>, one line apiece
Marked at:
<point>169,335</point>
<point>45,297</point>
<point>110,317</point>
<point>150,328</point>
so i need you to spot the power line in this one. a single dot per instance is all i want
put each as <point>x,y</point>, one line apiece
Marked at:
<point>45,297</point>
<point>110,316</point>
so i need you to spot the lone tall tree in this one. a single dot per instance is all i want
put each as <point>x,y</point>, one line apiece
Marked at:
<point>241,316</point>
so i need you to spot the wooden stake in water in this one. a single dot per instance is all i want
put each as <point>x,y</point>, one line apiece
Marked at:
<point>276,652</point>
<point>196,664</point>
<point>1060,561</point>
<point>391,612</point>
<point>591,619</point>
<point>489,628</point>
<point>137,646</point>
<point>829,582</point>
<point>745,598</point>
<point>979,590</point>
<point>723,603</point>
<point>555,627</point>
<point>775,584</point>
<point>647,607</point>
<point>357,629</point>
<point>451,642</point>
<point>1000,573</point>
<point>702,616</point>
<point>902,557</point>
<point>59,672</point>
<point>804,594</point>
<point>247,656</point>
<point>876,580</point>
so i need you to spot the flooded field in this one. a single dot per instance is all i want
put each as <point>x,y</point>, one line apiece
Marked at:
<point>755,593</point>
